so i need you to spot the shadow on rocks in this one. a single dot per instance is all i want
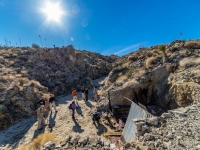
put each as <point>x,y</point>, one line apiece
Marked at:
<point>100,128</point>
<point>52,121</point>
<point>88,104</point>
<point>79,111</point>
<point>76,127</point>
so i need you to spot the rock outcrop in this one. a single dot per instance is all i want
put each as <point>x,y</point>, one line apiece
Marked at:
<point>28,73</point>
<point>167,85</point>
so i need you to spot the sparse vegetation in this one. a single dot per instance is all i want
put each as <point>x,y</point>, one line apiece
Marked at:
<point>121,78</point>
<point>162,48</point>
<point>35,45</point>
<point>151,61</point>
<point>188,62</point>
<point>119,69</point>
<point>39,141</point>
<point>192,44</point>
<point>129,73</point>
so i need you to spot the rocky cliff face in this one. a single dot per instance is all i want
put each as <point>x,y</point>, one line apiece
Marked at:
<point>28,73</point>
<point>167,85</point>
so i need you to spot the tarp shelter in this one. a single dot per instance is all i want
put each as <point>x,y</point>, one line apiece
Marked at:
<point>130,129</point>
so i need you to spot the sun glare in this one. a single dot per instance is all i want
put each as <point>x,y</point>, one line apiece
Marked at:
<point>53,11</point>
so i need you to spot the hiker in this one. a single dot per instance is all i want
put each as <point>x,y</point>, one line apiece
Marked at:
<point>95,93</point>
<point>95,117</point>
<point>41,101</point>
<point>72,107</point>
<point>83,92</point>
<point>52,103</point>
<point>40,117</point>
<point>75,96</point>
<point>86,94</point>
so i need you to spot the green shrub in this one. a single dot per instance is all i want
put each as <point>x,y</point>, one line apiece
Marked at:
<point>118,69</point>
<point>162,48</point>
<point>129,73</point>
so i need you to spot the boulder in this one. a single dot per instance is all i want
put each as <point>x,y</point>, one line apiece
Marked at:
<point>49,145</point>
<point>153,121</point>
<point>65,140</point>
<point>166,115</point>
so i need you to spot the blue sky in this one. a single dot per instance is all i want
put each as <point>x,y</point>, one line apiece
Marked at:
<point>103,26</point>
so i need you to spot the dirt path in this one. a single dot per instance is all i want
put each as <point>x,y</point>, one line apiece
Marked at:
<point>60,123</point>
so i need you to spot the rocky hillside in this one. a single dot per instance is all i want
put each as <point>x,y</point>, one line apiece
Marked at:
<point>168,75</point>
<point>28,73</point>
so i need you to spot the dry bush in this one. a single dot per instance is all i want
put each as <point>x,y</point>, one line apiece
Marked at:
<point>129,73</point>
<point>125,65</point>
<point>22,147</point>
<point>23,81</point>
<point>39,141</point>
<point>192,44</point>
<point>133,84</point>
<point>171,67</point>
<point>121,79</point>
<point>188,62</point>
<point>149,54</point>
<point>5,79</point>
<point>18,75</point>
<point>2,87</point>
<point>35,83</point>
<point>132,58</point>
<point>169,54</point>
<point>151,61</point>
<point>196,71</point>
<point>139,73</point>
<point>24,71</point>
<point>100,92</point>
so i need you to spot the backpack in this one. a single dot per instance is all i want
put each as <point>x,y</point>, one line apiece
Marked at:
<point>70,106</point>
<point>96,117</point>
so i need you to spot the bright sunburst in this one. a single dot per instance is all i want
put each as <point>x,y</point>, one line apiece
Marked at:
<point>53,11</point>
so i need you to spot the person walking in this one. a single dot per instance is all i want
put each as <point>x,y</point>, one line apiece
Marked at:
<point>40,117</point>
<point>52,103</point>
<point>95,94</point>
<point>86,94</point>
<point>72,107</point>
<point>41,101</point>
<point>83,93</point>
<point>75,96</point>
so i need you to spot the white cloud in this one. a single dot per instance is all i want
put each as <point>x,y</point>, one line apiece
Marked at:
<point>137,45</point>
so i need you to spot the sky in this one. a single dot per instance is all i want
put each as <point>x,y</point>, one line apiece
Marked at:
<point>103,26</point>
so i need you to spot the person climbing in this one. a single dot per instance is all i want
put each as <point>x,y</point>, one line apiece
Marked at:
<point>52,103</point>
<point>75,96</point>
<point>72,107</point>
<point>40,117</point>
<point>83,92</point>
<point>95,117</point>
<point>95,94</point>
<point>86,94</point>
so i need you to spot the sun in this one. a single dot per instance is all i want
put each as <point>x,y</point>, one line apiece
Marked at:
<point>53,11</point>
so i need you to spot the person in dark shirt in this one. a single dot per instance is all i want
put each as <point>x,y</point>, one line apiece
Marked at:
<point>83,93</point>
<point>95,117</point>
<point>52,103</point>
<point>86,94</point>
<point>41,101</point>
